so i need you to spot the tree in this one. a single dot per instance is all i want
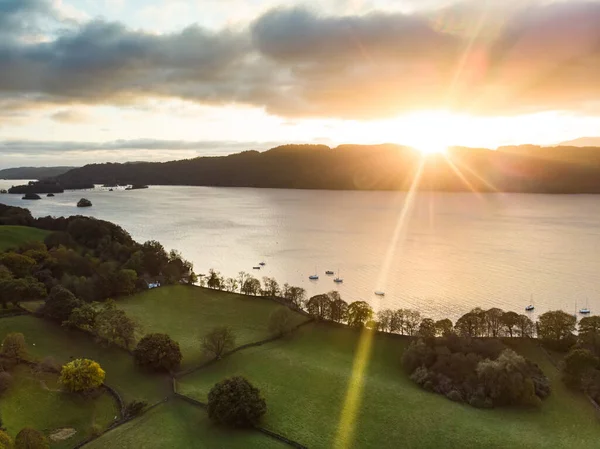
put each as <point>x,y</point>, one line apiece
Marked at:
<point>158,352</point>
<point>444,327</point>
<point>218,341</point>
<point>296,296</point>
<point>427,328</point>
<point>29,438</point>
<point>468,325</point>
<point>397,321</point>
<point>493,321</point>
<point>319,306</point>
<point>231,285</point>
<point>17,290</point>
<point>556,328</point>
<point>215,280</point>
<point>525,326</point>
<point>384,318</point>
<point>14,346</point>
<point>124,282</point>
<point>589,333</point>
<point>81,375</point>
<point>60,304</point>
<point>115,326</point>
<point>83,317</point>
<point>281,321</point>
<point>251,286</point>
<point>359,312</point>
<point>576,364</point>
<point>236,402</point>
<point>412,320</point>
<point>155,257</point>
<point>271,287</point>
<point>339,310</point>
<point>18,264</point>
<point>242,276</point>
<point>510,321</point>
<point>177,268</point>
<point>5,440</point>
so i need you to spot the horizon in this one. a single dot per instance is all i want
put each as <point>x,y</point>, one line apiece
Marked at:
<point>125,80</point>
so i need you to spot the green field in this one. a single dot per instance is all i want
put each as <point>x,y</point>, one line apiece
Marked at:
<point>186,313</point>
<point>179,425</point>
<point>56,341</point>
<point>13,236</point>
<point>34,400</point>
<point>305,382</point>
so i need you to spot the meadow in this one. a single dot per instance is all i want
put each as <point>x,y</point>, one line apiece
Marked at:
<point>13,236</point>
<point>187,313</point>
<point>306,381</point>
<point>35,400</point>
<point>179,425</point>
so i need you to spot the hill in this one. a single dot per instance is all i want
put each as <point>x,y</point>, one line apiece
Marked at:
<point>582,142</point>
<point>33,172</point>
<point>13,236</point>
<point>376,167</point>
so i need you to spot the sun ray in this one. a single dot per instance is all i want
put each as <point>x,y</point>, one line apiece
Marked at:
<point>478,176</point>
<point>347,421</point>
<point>462,177</point>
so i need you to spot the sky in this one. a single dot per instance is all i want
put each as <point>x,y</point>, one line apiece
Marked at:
<point>85,81</point>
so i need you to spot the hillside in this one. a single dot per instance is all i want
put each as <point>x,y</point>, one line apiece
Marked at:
<point>378,167</point>
<point>33,172</point>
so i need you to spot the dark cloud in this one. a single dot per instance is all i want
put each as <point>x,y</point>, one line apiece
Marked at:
<point>484,59</point>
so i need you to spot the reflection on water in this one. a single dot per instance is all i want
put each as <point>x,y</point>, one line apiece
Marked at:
<point>458,250</point>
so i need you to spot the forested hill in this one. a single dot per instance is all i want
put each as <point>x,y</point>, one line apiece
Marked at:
<point>378,167</point>
<point>33,172</point>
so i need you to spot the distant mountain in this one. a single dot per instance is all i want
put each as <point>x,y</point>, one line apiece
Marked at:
<point>33,172</point>
<point>582,142</point>
<point>361,167</point>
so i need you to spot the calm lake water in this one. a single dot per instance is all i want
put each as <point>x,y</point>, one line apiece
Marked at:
<point>446,254</point>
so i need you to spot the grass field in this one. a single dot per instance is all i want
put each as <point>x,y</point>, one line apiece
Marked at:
<point>13,236</point>
<point>179,425</point>
<point>35,401</point>
<point>305,382</point>
<point>186,313</point>
<point>53,340</point>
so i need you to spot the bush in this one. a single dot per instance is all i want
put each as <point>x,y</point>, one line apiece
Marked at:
<point>31,439</point>
<point>454,395</point>
<point>14,346</point>
<point>82,375</point>
<point>134,408</point>
<point>5,381</point>
<point>5,440</point>
<point>576,364</point>
<point>235,402</point>
<point>158,352</point>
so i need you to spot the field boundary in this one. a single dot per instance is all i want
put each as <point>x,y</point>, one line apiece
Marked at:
<point>239,348</point>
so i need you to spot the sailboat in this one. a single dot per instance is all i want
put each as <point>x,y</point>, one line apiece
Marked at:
<point>314,277</point>
<point>585,310</point>
<point>530,307</point>
<point>338,279</point>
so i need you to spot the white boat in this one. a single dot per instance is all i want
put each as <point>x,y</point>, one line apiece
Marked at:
<point>338,279</point>
<point>585,310</point>
<point>530,307</point>
<point>329,272</point>
<point>378,293</point>
<point>314,277</point>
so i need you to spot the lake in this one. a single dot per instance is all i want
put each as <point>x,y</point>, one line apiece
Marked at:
<point>443,255</point>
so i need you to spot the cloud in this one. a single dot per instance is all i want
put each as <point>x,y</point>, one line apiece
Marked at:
<point>70,116</point>
<point>499,58</point>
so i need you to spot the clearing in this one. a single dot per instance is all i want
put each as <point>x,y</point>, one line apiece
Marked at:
<point>186,313</point>
<point>305,381</point>
<point>13,236</point>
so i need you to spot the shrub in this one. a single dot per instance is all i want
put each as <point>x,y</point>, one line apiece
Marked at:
<point>235,402</point>
<point>29,438</point>
<point>82,375</point>
<point>454,395</point>
<point>158,352</point>
<point>14,346</point>
<point>5,381</point>
<point>218,341</point>
<point>576,364</point>
<point>5,440</point>
<point>134,408</point>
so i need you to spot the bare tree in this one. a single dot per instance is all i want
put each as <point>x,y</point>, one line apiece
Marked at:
<point>218,341</point>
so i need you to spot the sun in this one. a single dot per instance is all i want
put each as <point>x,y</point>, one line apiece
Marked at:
<point>428,149</point>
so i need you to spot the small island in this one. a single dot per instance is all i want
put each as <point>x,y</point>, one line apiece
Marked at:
<point>31,196</point>
<point>50,195</point>
<point>84,202</point>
